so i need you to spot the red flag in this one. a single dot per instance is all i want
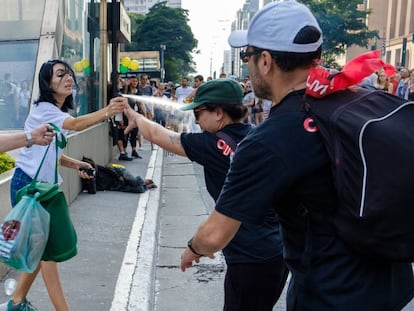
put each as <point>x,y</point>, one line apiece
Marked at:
<point>322,82</point>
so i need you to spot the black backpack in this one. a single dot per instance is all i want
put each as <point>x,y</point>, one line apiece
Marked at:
<point>369,136</point>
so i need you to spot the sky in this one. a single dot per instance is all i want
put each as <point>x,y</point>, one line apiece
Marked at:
<point>210,22</point>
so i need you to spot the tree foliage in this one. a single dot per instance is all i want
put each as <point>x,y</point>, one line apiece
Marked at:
<point>343,24</point>
<point>6,162</point>
<point>167,26</point>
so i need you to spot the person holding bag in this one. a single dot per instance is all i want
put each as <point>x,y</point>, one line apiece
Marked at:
<point>56,82</point>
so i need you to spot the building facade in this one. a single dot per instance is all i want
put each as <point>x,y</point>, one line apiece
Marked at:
<point>394,20</point>
<point>143,6</point>
<point>32,32</point>
<point>243,17</point>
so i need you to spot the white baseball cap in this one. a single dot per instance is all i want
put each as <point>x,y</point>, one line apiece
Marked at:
<point>275,27</point>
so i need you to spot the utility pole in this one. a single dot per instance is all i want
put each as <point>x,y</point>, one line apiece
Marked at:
<point>163,47</point>
<point>114,30</point>
<point>404,52</point>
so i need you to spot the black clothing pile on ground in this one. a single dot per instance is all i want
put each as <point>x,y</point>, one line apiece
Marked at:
<point>115,177</point>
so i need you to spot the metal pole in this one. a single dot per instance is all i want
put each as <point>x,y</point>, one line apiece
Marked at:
<point>103,77</point>
<point>404,52</point>
<point>162,73</point>
<point>114,74</point>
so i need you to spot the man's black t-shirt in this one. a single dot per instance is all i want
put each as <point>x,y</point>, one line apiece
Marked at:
<point>252,243</point>
<point>290,168</point>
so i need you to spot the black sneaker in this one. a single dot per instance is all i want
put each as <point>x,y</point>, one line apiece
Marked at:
<point>135,154</point>
<point>124,157</point>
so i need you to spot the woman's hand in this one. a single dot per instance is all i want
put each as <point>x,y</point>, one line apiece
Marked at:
<point>85,170</point>
<point>116,105</point>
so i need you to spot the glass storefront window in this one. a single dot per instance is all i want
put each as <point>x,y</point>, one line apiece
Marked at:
<point>20,19</point>
<point>17,66</point>
<point>80,48</point>
<point>20,24</point>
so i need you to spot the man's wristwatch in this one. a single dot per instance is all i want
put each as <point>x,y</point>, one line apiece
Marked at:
<point>190,246</point>
<point>29,139</point>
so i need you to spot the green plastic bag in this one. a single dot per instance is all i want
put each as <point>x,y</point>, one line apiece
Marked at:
<point>62,242</point>
<point>23,234</point>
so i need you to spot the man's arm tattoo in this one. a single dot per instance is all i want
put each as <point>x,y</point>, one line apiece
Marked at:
<point>175,140</point>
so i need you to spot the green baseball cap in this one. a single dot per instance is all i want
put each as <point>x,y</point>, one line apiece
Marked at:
<point>219,91</point>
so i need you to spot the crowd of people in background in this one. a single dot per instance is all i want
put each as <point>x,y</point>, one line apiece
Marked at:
<point>15,96</point>
<point>401,83</point>
<point>168,116</point>
<point>257,108</point>
<point>143,85</point>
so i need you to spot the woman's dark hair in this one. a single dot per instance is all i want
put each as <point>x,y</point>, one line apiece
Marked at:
<point>45,76</point>
<point>236,112</point>
<point>288,61</point>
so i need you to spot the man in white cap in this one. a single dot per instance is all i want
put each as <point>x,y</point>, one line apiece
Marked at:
<point>287,163</point>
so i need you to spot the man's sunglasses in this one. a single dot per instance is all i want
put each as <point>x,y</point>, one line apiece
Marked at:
<point>245,55</point>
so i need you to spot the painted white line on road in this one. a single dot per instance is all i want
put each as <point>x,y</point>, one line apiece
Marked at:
<point>142,290</point>
<point>129,263</point>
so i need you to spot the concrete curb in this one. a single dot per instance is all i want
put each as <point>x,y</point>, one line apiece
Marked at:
<point>134,289</point>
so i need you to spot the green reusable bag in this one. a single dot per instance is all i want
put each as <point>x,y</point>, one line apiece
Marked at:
<point>62,242</point>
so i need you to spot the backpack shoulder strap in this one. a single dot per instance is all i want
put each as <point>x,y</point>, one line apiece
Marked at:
<point>230,141</point>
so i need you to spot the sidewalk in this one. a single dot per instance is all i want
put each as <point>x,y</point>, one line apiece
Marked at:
<point>185,205</point>
<point>104,224</point>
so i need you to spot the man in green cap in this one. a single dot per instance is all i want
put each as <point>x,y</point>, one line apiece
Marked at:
<point>254,256</point>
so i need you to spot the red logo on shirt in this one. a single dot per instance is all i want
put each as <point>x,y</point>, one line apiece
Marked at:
<point>222,145</point>
<point>309,125</point>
